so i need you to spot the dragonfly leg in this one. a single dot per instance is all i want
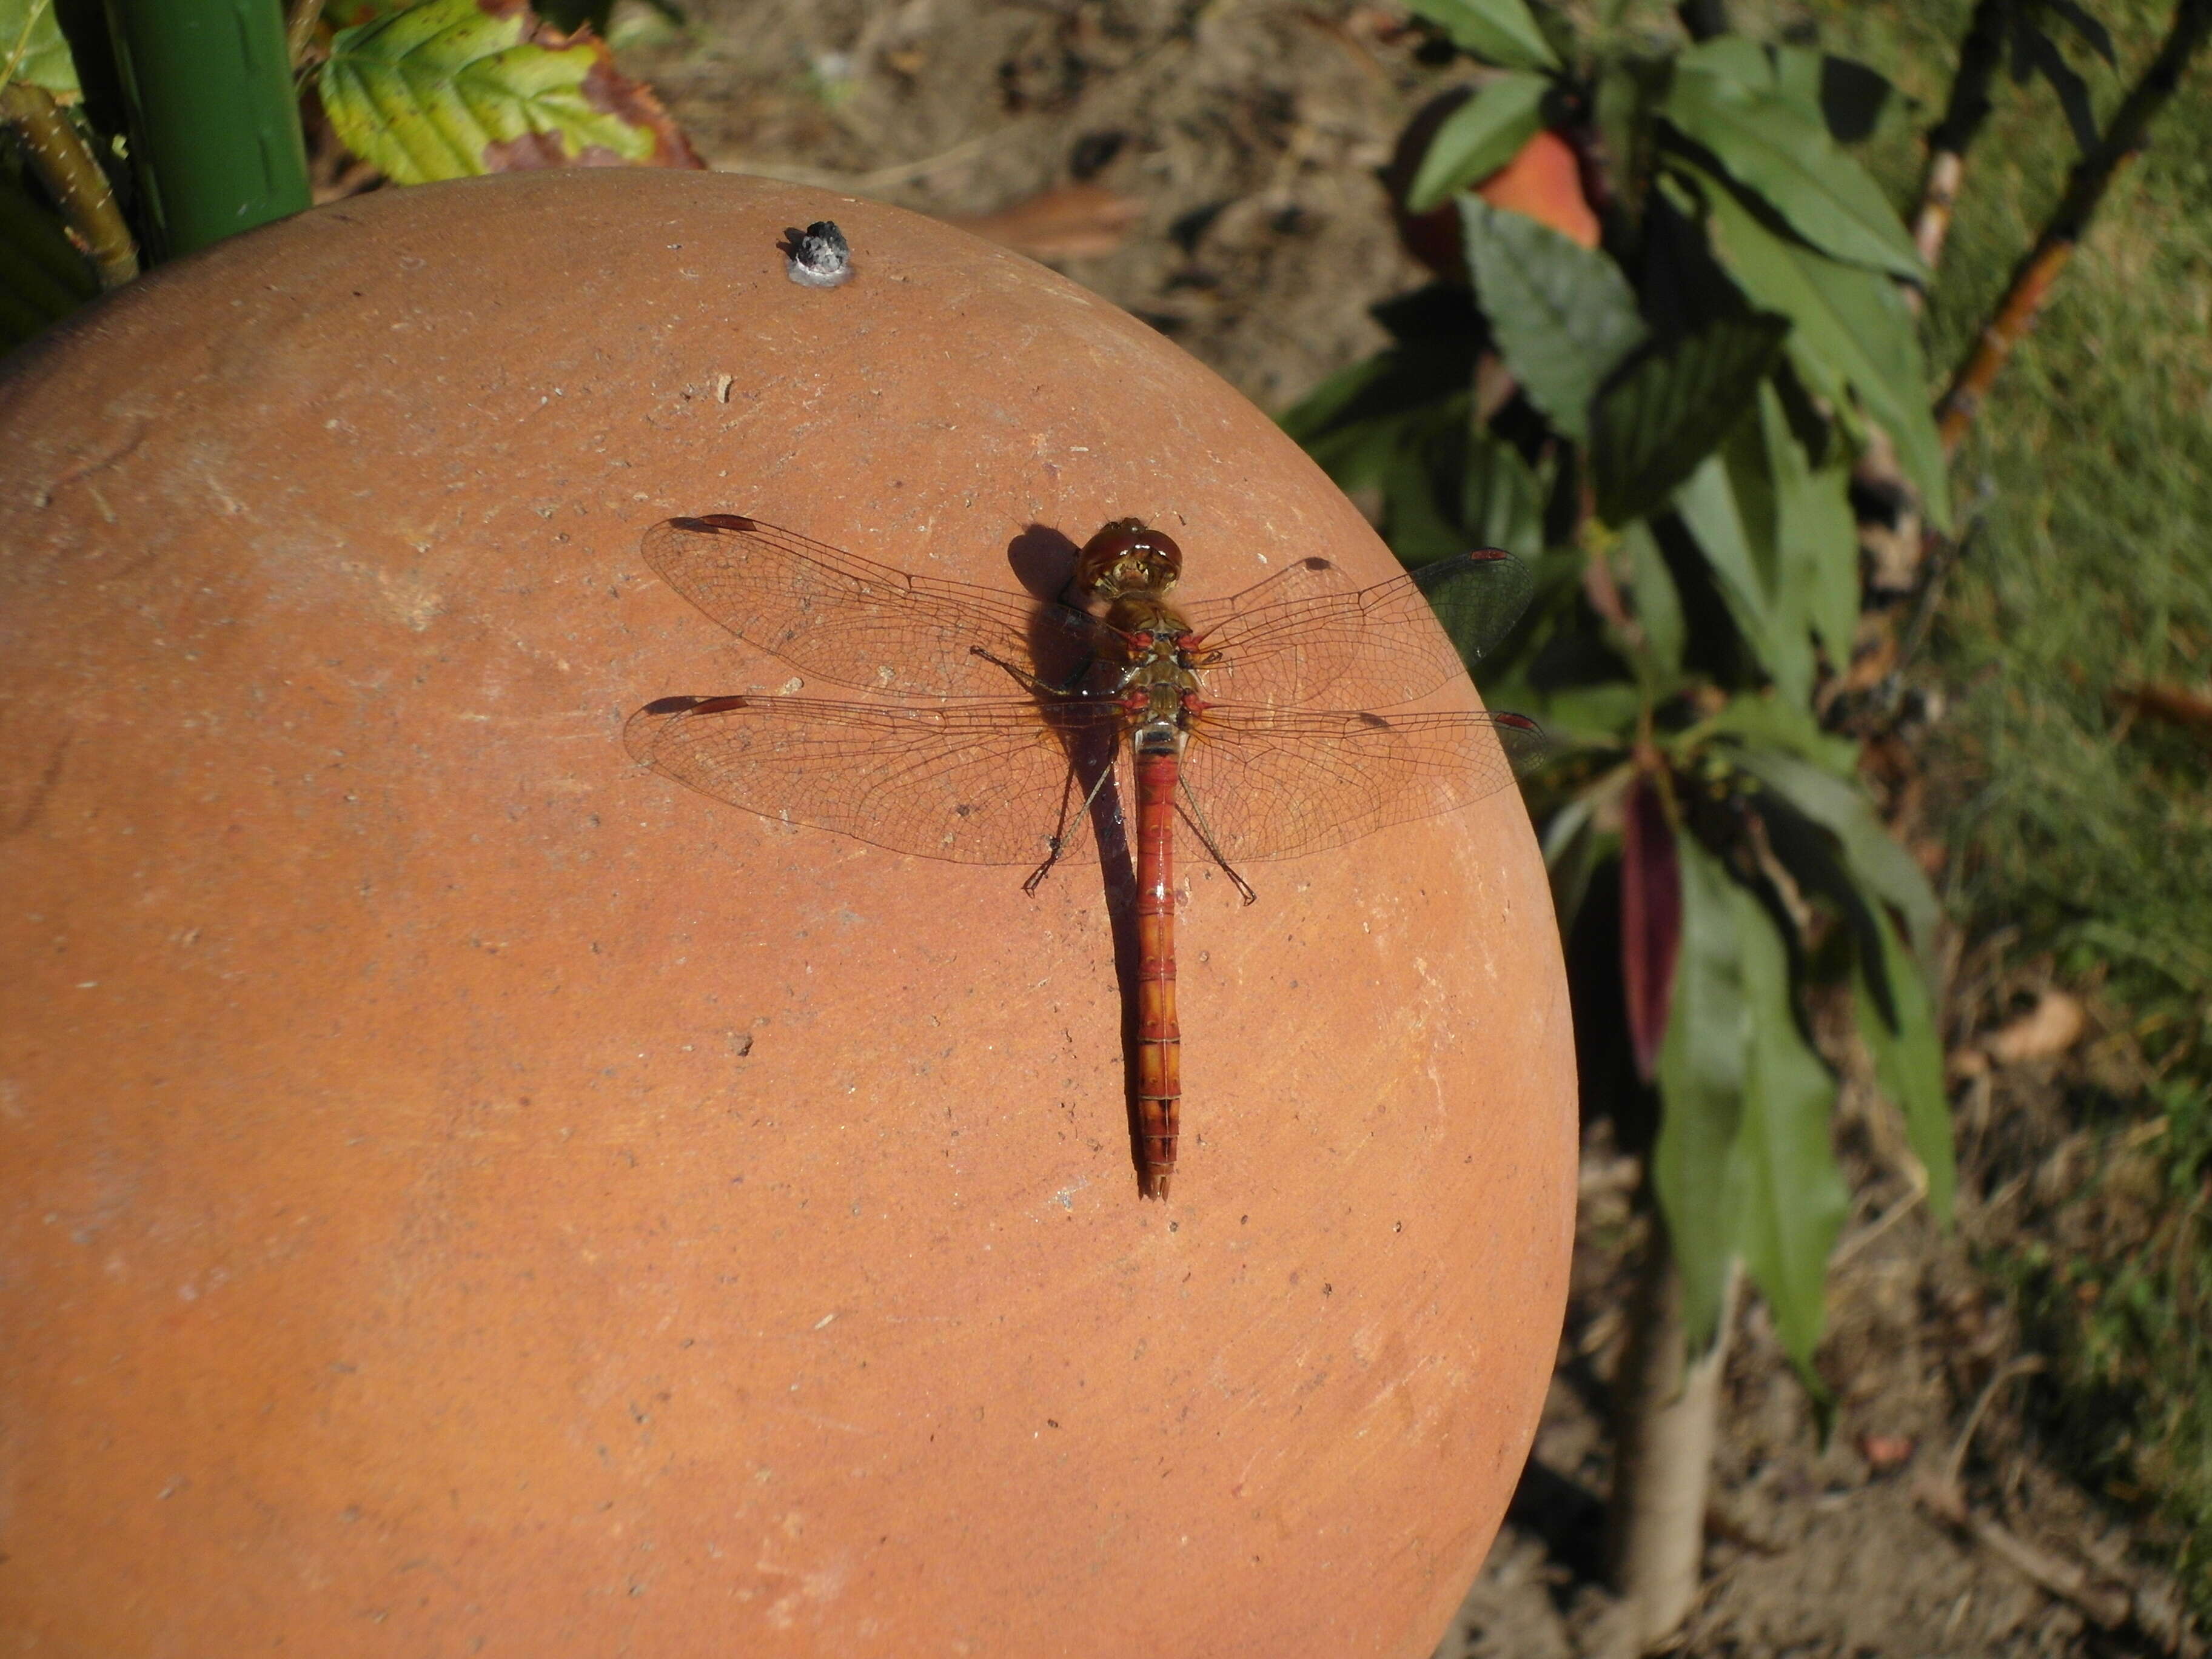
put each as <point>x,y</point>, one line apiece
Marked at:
<point>1205,839</point>
<point>1060,838</point>
<point>1029,682</point>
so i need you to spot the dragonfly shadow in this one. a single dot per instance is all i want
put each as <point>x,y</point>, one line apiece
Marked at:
<point>1043,560</point>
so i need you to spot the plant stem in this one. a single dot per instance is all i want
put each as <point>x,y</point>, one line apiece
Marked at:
<point>1667,1407</point>
<point>1980,55</point>
<point>71,175</point>
<point>214,122</point>
<point>2085,189</point>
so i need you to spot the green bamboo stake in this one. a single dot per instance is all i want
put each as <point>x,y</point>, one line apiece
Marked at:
<point>215,132</point>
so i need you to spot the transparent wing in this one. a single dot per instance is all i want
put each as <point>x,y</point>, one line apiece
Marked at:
<point>859,624</point>
<point>986,781</point>
<point>1306,636</point>
<point>1279,783</point>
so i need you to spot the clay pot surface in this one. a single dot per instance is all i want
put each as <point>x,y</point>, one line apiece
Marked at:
<point>465,1193</point>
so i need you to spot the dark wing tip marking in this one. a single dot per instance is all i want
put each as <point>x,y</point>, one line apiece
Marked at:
<point>663,707</point>
<point>1367,718</point>
<point>715,521</point>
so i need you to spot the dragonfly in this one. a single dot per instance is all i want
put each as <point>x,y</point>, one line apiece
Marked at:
<point>1269,725</point>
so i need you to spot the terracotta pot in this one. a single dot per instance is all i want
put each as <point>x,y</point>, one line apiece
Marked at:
<point>463,1192</point>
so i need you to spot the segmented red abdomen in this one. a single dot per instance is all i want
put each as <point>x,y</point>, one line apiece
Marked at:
<point>1160,1041</point>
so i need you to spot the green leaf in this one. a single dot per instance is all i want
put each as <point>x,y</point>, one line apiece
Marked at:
<point>1562,315</point>
<point>1793,1199</point>
<point>1761,718</point>
<point>449,90</point>
<point>1876,858</point>
<point>1755,475</point>
<point>1502,502</point>
<point>1588,716</point>
<point>1850,327</point>
<point>1841,92</point>
<point>1500,32</point>
<point>1573,847</point>
<point>1908,1063</point>
<point>1478,138</point>
<point>1818,536</point>
<point>1668,407</point>
<point>1437,331</point>
<point>1658,603</point>
<point>1783,155</point>
<point>32,48</point>
<point>1708,509</point>
<point>1704,1066</point>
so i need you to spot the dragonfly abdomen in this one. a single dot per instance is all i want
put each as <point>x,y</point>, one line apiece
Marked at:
<point>1159,1040</point>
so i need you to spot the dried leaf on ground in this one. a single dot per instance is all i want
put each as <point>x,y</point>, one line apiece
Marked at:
<point>2052,1027</point>
<point>1068,222</point>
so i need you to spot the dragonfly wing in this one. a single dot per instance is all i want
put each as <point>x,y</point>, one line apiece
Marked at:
<point>859,624</point>
<point>1306,636</point>
<point>1279,783</point>
<point>986,781</point>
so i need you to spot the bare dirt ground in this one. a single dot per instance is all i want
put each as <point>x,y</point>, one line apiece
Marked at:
<point>1210,167</point>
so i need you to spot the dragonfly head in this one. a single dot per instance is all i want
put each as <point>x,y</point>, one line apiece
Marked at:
<point>1126,557</point>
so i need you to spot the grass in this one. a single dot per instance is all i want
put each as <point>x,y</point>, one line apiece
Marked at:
<point>2088,834</point>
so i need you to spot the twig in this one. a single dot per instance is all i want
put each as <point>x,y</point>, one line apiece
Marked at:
<point>2108,1603</point>
<point>299,31</point>
<point>1950,1499</point>
<point>1979,56</point>
<point>2092,177</point>
<point>71,175</point>
<point>1917,1190</point>
<point>1944,552</point>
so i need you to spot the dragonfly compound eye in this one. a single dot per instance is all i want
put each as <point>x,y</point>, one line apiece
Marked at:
<point>1127,556</point>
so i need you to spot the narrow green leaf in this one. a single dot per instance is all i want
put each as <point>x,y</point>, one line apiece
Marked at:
<point>1850,327</point>
<point>1709,510</point>
<point>1562,315</point>
<point>31,48</point>
<point>1814,860</point>
<point>1668,407</point>
<point>1588,716</point>
<point>1571,850</point>
<point>1762,717</point>
<point>1370,396</point>
<point>1794,1200</point>
<point>1500,32</point>
<point>1658,603</point>
<point>1423,475</point>
<point>1755,479</point>
<point>1782,154</point>
<point>1876,858</point>
<point>1703,1068</point>
<point>1908,1063</point>
<point>1502,503</point>
<point>448,90</point>
<point>1478,138</point>
<point>1818,535</point>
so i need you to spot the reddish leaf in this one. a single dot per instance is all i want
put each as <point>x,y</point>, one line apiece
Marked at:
<point>1650,921</point>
